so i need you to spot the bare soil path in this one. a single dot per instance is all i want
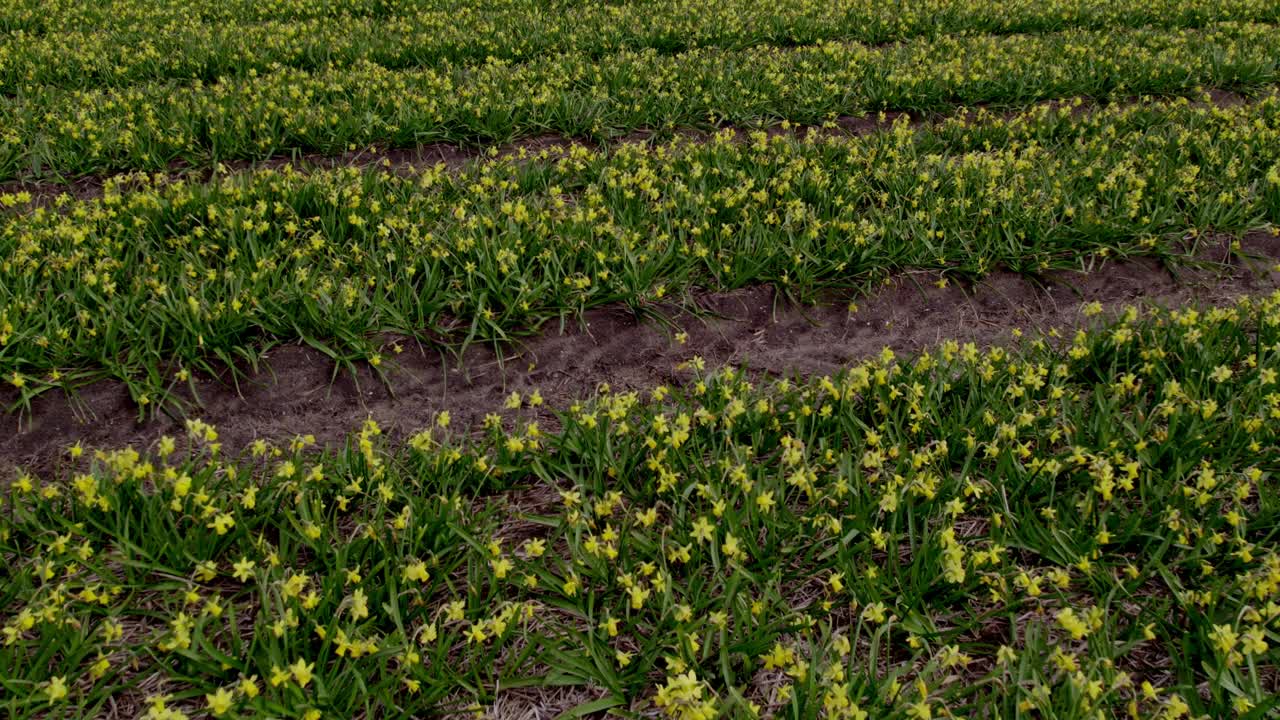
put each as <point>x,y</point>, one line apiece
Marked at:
<point>295,393</point>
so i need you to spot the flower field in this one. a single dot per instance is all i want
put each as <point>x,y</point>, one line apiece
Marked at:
<point>199,274</point>
<point>48,130</point>
<point>1062,531</point>
<point>1077,521</point>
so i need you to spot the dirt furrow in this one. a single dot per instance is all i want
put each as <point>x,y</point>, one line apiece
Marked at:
<point>295,393</point>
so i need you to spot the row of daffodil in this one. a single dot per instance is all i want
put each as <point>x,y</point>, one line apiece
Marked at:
<point>432,33</point>
<point>33,18</point>
<point>58,131</point>
<point>201,274</point>
<point>1071,528</point>
<point>38,17</point>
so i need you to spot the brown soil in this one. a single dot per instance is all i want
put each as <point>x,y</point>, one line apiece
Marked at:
<point>295,392</point>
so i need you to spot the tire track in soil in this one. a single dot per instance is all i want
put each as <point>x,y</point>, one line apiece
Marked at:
<point>293,392</point>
